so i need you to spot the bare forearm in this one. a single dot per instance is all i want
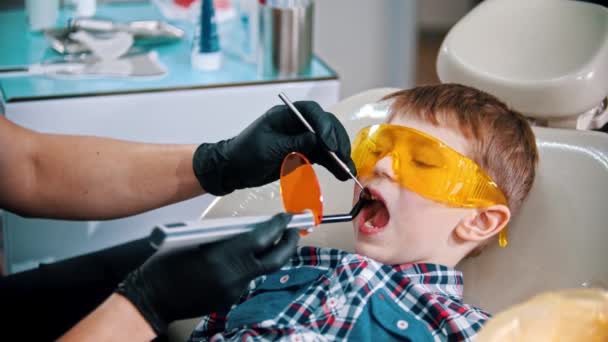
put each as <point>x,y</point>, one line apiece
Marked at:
<point>97,178</point>
<point>114,320</point>
<point>78,177</point>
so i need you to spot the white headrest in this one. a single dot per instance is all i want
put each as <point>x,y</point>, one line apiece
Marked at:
<point>545,58</point>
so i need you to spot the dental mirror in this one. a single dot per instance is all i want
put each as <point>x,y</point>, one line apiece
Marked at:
<point>300,191</point>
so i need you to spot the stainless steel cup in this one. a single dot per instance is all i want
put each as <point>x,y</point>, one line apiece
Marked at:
<point>285,37</point>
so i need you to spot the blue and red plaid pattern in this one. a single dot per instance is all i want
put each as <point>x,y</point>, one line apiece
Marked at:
<point>327,304</point>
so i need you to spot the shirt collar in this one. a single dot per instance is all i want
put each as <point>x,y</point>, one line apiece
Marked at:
<point>435,277</point>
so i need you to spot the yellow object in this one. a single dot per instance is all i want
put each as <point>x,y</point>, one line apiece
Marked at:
<point>567,315</point>
<point>427,166</point>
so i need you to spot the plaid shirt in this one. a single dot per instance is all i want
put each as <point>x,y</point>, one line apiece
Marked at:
<point>327,294</point>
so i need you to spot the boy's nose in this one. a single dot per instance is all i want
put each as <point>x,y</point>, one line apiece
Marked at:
<point>384,168</point>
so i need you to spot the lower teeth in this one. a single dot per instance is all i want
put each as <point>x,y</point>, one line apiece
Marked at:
<point>369,224</point>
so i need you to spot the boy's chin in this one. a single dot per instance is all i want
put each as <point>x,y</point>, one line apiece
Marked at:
<point>375,252</point>
<point>379,253</point>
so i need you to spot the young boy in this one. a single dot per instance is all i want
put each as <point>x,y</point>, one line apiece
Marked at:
<point>446,173</point>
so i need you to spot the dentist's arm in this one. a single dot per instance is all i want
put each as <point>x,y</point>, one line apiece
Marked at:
<point>81,177</point>
<point>117,319</point>
<point>187,283</point>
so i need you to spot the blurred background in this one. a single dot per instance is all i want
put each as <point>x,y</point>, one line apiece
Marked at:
<point>374,43</point>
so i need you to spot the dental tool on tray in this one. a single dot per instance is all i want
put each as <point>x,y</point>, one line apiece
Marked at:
<point>42,69</point>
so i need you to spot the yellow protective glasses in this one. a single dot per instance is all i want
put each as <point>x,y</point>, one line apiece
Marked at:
<point>427,167</point>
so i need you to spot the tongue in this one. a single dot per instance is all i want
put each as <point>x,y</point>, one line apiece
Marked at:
<point>381,216</point>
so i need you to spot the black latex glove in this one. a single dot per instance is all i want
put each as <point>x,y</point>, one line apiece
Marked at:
<point>254,157</point>
<point>196,281</point>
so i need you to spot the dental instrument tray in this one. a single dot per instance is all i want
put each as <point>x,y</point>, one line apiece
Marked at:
<point>191,233</point>
<point>146,32</point>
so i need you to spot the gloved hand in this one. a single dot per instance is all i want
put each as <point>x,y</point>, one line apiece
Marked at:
<point>254,157</point>
<point>195,281</point>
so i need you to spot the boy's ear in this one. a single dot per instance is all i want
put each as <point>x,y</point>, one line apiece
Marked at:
<point>483,223</point>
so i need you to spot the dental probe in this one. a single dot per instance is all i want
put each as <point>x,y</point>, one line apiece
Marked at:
<point>293,108</point>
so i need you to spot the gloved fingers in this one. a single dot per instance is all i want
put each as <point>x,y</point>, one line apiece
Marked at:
<point>305,143</point>
<point>342,148</point>
<point>322,122</point>
<point>281,119</point>
<point>272,259</point>
<point>267,232</point>
<point>308,145</point>
<point>332,166</point>
<point>330,132</point>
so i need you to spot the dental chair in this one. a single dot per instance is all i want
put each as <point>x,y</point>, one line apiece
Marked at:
<point>558,240</point>
<point>546,58</point>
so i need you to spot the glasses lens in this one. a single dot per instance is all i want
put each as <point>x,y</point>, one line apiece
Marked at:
<point>300,188</point>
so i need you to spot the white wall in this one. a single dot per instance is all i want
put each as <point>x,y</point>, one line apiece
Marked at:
<point>369,43</point>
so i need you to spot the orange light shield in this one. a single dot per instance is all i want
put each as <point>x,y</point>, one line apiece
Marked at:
<point>300,189</point>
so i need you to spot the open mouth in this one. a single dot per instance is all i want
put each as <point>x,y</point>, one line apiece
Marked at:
<point>374,215</point>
